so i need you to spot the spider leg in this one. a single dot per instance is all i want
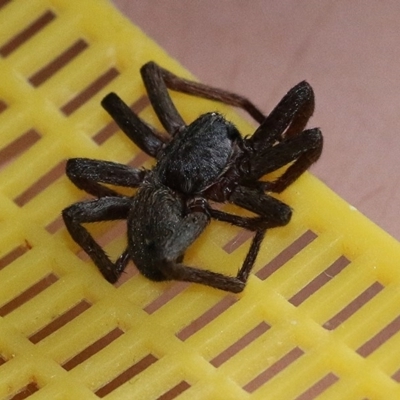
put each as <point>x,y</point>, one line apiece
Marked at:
<point>88,175</point>
<point>302,149</point>
<point>280,140</point>
<point>103,209</point>
<point>143,135</point>
<point>157,80</point>
<point>288,118</point>
<point>170,266</point>
<point>175,270</point>
<point>271,213</point>
<point>251,223</point>
<point>182,272</point>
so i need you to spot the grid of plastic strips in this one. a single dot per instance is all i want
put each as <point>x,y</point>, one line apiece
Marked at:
<point>319,319</point>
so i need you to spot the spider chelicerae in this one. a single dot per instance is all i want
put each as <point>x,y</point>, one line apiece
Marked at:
<point>207,160</point>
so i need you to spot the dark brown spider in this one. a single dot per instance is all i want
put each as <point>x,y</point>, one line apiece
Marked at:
<point>206,160</point>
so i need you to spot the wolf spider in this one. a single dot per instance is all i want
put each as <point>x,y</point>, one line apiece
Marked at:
<point>207,160</point>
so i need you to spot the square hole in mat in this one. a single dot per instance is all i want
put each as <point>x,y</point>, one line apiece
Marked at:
<point>4,3</point>
<point>396,376</point>
<point>319,281</point>
<point>166,296</point>
<point>27,33</point>
<point>89,91</point>
<point>3,106</point>
<point>14,254</point>
<point>61,61</point>
<point>207,317</point>
<point>126,375</point>
<point>54,226</point>
<point>175,391</point>
<point>41,184</point>
<point>360,301</point>
<point>285,255</point>
<point>93,349</point>
<point>28,294</point>
<point>17,147</point>
<point>3,360</point>
<point>240,344</point>
<point>60,321</point>
<point>380,338</point>
<point>273,370</point>
<point>319,387</point>
<point>25,392</point>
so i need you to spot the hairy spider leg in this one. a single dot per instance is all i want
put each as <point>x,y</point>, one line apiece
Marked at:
<point>301,150</point>
<point>143,135</point>
<point>280,140</point>
<point>158,80</point>
<point>271,214</point>
<point>102,209</point>
<point>287,119</point>
<point>175,270</point>
<point>88,174</point>
<point>182,272</point>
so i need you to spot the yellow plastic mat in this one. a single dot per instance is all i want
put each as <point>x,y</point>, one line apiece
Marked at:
<point>319,319</point>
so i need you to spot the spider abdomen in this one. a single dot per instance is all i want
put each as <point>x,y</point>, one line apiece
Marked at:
<point>159,228</point>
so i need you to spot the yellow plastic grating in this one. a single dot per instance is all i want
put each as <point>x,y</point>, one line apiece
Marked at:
<point>319,319</point>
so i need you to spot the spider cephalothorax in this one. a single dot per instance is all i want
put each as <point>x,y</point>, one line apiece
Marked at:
<point>205,160</point>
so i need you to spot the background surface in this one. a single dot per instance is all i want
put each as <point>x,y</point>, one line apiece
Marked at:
<point>348,51</point>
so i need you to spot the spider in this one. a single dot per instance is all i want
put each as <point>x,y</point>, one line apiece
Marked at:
<point>207,160</point>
